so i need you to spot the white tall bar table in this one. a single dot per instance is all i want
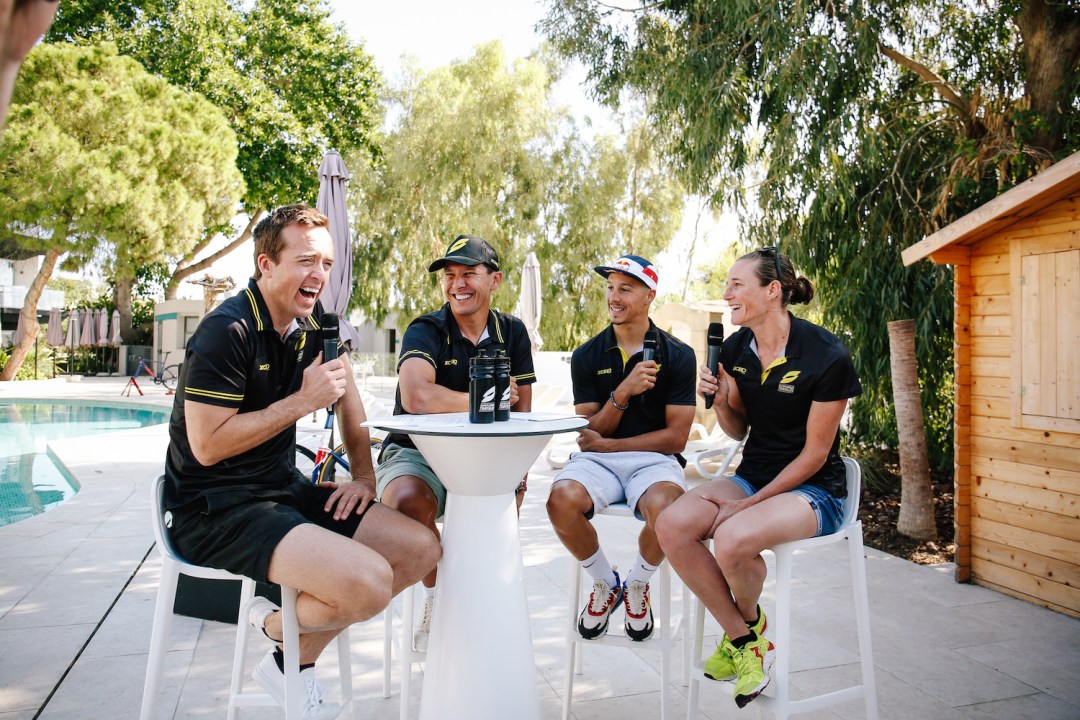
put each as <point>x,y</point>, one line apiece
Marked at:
<point>480,662</point>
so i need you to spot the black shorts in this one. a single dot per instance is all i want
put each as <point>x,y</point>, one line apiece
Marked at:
<point>237,530</point>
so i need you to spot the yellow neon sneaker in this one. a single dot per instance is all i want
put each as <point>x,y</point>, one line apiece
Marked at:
<point>752,662</point>
<point>719,665</point>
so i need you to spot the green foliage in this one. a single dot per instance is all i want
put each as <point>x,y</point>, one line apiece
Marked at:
<point>476,147</point>
<point>290,82</point>
<point>98,154</point>
<point>845,133</point>
<point>38,364</point>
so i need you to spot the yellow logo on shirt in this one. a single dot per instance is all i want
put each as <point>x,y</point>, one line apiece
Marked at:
<point>789,377</point>
<point>451,361</point>
<point>265,366</point>
<point>739,369</point>
<point>605,371</point>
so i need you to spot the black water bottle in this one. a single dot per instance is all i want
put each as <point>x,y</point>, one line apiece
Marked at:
<point>502,386</point>
<point>481,389</point>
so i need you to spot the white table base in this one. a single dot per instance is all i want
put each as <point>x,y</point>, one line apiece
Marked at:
<point>480,662</point>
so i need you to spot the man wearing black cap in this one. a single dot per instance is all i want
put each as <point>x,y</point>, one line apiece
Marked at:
<point>640,411</point>
<point>433,377</point>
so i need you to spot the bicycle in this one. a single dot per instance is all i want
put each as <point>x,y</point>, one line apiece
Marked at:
<point>324,465</point>
<point>159,372</point>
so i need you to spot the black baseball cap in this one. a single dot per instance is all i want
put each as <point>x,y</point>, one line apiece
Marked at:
<point>468,250</point>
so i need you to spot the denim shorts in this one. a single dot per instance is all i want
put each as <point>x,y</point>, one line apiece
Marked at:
<point>829,510</point>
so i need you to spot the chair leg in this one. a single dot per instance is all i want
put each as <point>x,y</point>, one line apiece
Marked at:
<point>862,621</point>
<point>291,634</point>
<point>684,632</point>
<point>573,653</point>
<point>388,648</point>
<point>159,637</point>
<point>698,640</point>
<point>782,665</point>
<point>667,638</point>
<point>236,684</point>
<point>388,643</point>
<point>344,648</point>
<point>407,654</point>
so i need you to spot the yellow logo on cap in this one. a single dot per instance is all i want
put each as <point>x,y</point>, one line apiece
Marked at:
<point>458,244</point>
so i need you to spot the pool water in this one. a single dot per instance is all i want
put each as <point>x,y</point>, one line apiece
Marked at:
<point>31,482</point>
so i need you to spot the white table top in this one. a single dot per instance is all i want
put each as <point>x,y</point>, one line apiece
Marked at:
<point>457,424</point>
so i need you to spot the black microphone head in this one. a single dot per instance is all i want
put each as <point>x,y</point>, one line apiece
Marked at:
<point>716,334</point>
<point>329,323</point>
<point>650,339</point>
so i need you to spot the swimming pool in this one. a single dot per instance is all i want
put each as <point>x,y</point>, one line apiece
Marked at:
<point>31,482</point>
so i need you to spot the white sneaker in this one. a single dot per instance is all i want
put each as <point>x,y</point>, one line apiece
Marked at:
<point>255,612</point>
<point>639,617</point>
<point>423,628</point>
<point>272,681</point>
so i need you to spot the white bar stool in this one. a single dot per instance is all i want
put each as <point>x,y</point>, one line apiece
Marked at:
<point>780,701</point>
<point>665,635</point>
<point>172,566</point>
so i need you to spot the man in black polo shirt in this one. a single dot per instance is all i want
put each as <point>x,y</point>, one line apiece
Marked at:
<point>640,412</point>
<point>235,498</point>
<point>433,377</point>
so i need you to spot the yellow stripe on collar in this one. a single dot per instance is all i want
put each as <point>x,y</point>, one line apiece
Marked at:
<point>775,363</point>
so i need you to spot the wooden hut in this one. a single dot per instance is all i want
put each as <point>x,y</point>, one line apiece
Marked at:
<point>1016,266</point>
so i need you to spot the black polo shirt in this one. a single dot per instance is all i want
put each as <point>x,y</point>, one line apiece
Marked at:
<point>598,366</point>
<point>436,338</point>
<point>236,359</point>
<point>816,367</point>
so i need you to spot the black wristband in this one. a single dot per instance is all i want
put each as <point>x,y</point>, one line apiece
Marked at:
<point>621,407</point>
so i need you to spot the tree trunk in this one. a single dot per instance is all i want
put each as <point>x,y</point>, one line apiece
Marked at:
<point>122,297</point>
<point>916,494</point>
<point>183,272</point>
<point>29,314</point>
<point>1051,47</point>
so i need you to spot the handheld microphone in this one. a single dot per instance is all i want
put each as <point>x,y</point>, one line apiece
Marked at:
<point>649,346</point>
<point>648,351</point>
<point>715,340</point>
<point>330,343</point>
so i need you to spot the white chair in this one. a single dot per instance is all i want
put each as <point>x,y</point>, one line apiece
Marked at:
<point>172,566</point>
<point>709,455</point>
<point>402,641</point>
<point>780,701</point>
<point>665,635</point>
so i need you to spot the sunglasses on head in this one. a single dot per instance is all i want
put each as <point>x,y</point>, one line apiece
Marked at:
<point>776,258</point>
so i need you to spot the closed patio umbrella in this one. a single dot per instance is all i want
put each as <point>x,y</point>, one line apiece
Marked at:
<point>528,308</point>
<point>20,330</point>
<point>102,319</point>
<point>86,323</point>
<point>331,202</point>
<point>114,330</point>
<point>72,340</point>
<point>54,334</point>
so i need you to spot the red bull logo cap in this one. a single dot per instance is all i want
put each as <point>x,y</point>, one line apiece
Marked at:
<point>633,266</point>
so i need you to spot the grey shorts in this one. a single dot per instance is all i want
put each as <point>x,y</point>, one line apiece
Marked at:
<point>621,476</point>
<point>398,461</point>
<point>828,509</point>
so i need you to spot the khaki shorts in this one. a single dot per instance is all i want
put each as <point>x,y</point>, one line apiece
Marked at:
<point>397,461</point>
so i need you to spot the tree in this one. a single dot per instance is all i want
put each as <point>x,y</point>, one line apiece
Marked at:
<point>845,132</point>
<point>100,156</point>
<point>477,148</point>
<point>291,83</point>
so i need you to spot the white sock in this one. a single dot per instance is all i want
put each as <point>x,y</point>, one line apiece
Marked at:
<point>641,571</point>
<point>429,592</point>
<point>599,568</point>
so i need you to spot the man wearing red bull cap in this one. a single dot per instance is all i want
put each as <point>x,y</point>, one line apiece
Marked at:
<point>433,377</point>
<point>640,411</point>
